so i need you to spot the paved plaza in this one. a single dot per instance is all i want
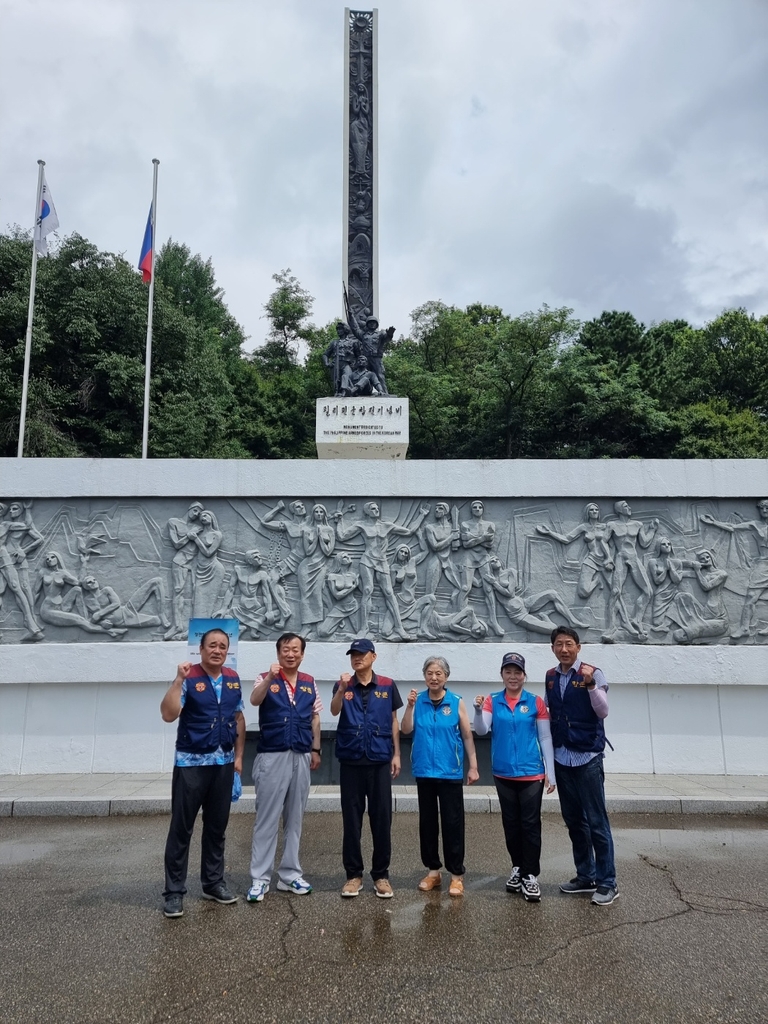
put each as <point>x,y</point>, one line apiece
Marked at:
<point>84,939</point>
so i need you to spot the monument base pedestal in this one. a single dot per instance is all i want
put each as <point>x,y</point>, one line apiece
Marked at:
<point>375,427</point>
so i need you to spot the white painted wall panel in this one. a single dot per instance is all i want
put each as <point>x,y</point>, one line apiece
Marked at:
<point>60,729</point>
<point>744,714</point>
<point>685,730</point>
<point>13,707</point>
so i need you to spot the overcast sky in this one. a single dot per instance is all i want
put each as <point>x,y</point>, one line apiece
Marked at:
<point>599,154</point>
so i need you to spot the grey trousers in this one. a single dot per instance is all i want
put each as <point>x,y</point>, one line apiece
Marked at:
<point>282,788</point>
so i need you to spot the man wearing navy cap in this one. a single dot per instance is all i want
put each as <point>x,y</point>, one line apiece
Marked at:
<point>368,749</point>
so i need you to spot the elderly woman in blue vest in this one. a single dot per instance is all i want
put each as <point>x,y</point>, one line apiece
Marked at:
<point>441,732</point>
<point>522,759</point>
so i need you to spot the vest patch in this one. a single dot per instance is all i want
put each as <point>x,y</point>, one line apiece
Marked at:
<point>199,687</point>
<point>275,688</point>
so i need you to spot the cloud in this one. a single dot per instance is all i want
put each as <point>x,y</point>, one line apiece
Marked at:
<point>590,153</point>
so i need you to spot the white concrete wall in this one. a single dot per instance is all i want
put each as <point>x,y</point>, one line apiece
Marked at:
<point>94,707</point>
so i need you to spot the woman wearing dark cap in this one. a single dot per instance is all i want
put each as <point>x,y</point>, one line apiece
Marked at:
<point>522,759</point>
<point>441,733</point>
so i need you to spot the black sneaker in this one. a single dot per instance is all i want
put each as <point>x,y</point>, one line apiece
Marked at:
<point>174,905</point>
<point>605,895</point>
<point>220,893</point>
<point>577,885</point>
<point>513,883</point>
<point>530,887</point>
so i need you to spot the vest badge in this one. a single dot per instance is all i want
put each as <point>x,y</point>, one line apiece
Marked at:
<point>349,695</point>
<point>381,694</point>
<point>199,687</point>
<point>274,688</point>
<point>524,709</point>
<point>306,689</point>
<point>447,710</point>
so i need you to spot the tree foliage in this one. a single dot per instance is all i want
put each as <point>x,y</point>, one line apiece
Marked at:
<point>481,383</point>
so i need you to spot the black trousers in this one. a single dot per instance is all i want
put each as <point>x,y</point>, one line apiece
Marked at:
<point>208,787</point>
<point>441,801</point>
<point>358,784</point>
<point>520,804</point>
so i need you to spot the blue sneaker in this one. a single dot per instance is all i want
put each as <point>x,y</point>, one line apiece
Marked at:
<point>299,885</point>
<point>257,892</point>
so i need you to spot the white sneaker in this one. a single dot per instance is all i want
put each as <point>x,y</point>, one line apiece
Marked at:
<point>257,892</point>
<point>299,885</point>
<point>513,883</point>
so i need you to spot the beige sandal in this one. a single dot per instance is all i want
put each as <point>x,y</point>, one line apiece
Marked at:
<point>457,887</point>
<point>430,882</point>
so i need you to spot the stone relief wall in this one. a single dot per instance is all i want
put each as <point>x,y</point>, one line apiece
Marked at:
<point>666,571</point>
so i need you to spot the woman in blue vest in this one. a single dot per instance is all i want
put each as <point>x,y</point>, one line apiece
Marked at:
<point>523,763</point>
<point>441,731</point>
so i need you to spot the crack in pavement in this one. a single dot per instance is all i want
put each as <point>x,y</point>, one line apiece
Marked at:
<point>737,905</point>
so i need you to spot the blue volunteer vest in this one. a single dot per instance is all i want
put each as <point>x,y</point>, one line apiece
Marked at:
<point>204,723</point>
<point>515,751</point>
<point>285,725</point>
<point>366,732</point>
<point>574,724</point>
<point>437,751</point>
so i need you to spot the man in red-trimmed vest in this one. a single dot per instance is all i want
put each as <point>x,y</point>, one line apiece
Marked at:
<point>368,749</point>
<point>288,749</point>
<point>207,701</point>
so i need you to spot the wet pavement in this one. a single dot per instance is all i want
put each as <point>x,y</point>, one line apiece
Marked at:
<point>84,939</point>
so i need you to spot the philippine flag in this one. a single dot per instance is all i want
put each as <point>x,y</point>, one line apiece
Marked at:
<point>47,220</point>
<point>145,260</point>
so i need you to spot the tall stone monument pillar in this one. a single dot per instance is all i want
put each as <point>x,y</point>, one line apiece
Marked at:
<point>362,420</point>
<point>360,242</point>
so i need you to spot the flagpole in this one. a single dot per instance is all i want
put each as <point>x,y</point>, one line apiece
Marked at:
<point>148,359</point>
<point>30,314</point>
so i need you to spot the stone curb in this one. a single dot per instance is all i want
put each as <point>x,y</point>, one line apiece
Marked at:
<point>328,801</point>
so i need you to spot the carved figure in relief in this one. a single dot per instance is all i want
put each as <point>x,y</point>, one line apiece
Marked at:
<point>341,582</point>
<point>758,575</point>
<point>315,541</point>
<point>359,128</point>
<point>374,564</point>
<point>626,533</point>
<point>522,611</point>
<point>61,595</point>
<point>209,571</point>
<point>710,620</point>
<point>666,573</point>
<point>441,539</point>
<point>249,597</point>
<point>404,580</point>
<point>23,539</point>
<point>182,533</point>
<point>103,606</point>
<point>477,537</point>
<point>435,625</point>
<point>10,579</point>
<point>597,566</point>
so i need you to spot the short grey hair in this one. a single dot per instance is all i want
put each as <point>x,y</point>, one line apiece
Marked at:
<point>435,659</point>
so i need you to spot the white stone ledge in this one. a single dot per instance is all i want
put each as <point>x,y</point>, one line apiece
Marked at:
<point>116,663</point>
<point>236,478</point>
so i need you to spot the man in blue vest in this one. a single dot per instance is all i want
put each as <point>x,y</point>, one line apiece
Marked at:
<point>289,747</point>
<point>576,695</point>
<point>207,701</point>
<point>368,749</point>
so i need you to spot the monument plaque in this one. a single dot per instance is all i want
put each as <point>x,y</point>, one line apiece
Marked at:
<point>363,428</point>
